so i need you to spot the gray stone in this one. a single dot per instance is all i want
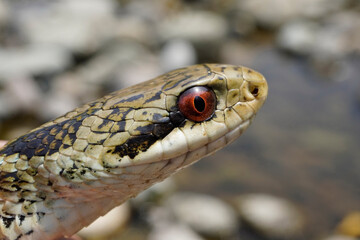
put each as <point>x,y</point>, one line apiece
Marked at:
<point>155,193</point>
<point>174,232</point>
<point>177,53</point>
<point>340,237</point>
<point>4,13</point>
<point>33,59</point>
<point>273,13</point>
<point>5,107</point>
<point>205,214</point>
<point>298,37</point>
<point>195,26</point>
<point>271,216</point>
<point>75,25</point>
<point>116,219</point>
<point>22,94</point>
<point>335,37</point>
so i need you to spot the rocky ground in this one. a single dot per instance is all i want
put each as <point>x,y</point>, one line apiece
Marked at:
<point>296,175</point>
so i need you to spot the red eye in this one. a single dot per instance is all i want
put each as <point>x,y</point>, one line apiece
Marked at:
<point>197,103</point>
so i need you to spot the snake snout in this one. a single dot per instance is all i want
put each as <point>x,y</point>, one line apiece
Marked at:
<point>254,90</point>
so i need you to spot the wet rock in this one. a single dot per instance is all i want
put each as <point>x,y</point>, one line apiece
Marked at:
<point>298,37</point>
<point>194,26</point>
<point>177,53</point>
<point>241,23</point>
<point>23,94</point>
<point>136,29</point>
<point>5,108</point>
<point>153,11</point>
<point>107,224</point>
<point>350,225</point>
<point>174,232</point>
<point>271,216</point>
<point>4,13</point>
<point>33,60</point>
<point>239,52</point>
<point>155,193</point>
<point>339,237</point>
<point>205,214</point>
<point>75,25</point>
<point>165,226</point>
<point>339,35</point>
<point>264,12</point>
<point>333,38</point>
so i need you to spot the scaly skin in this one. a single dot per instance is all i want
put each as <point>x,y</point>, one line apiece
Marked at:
<point>60,177</point>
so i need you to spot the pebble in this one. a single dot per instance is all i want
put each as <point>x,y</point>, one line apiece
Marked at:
<point>4,13</point>
<point>194,26</point>
<point>113,221</point>
<point>5,109</point>
<point>23,94</point>
<point>241,23</point>
<point>33,60</point>
<point>340,237</point>
<point>335,37</point>
<point>177,53</point>
<point>155,193</point>
<point>174,232</point>
<point>263,11</point>
<point>298,37</point>
<point>271,216</point>
<point>74,25</point>
<point>350,225</point>
<point>205,214</point>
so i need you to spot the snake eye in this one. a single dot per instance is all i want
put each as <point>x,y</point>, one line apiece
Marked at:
<point>197,103</point>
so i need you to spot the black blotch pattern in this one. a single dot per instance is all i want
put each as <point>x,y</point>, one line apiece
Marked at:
<point>41,150</point>
<point>9,177</point>
<point>131,99</point>
<point>177,118</point>
<point>18,237</point>
<point>121,126</point>
<point>67,124</point>
<point>42,141</point>
<point>186,77</point>
<point>134,145</point>
<point>161,130</point>
<point>21,219</point>
<point>158,118</point>
<point>7,221</point>
<point>102,125</point>
<point>47,139</point>
<point>65,146</point>
<point>157,96</point>
<point>34,143</point>
<point>18,146</point>
<point>147,129</point>
<point>72,137</point>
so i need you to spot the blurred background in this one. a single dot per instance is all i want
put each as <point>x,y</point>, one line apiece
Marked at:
<point>294,174</point>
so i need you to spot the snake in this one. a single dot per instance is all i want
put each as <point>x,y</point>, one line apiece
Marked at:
<point>60,177</point>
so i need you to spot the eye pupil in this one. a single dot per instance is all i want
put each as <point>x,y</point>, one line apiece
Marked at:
<point>199,103</point>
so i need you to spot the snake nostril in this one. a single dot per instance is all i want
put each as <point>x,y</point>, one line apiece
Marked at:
<point>253,89</point>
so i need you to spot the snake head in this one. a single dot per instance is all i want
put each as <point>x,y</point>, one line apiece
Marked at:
<point>61,176</point>
<point>198,110</point>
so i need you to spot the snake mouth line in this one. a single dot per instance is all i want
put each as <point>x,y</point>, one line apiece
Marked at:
<point>166,167</point>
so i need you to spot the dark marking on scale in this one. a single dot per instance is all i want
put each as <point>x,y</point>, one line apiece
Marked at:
<point>131,99</point>
<point>164,87</point>
<point>156,96</point>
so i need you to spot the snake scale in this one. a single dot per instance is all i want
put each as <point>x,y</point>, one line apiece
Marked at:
<point>61,176</point>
